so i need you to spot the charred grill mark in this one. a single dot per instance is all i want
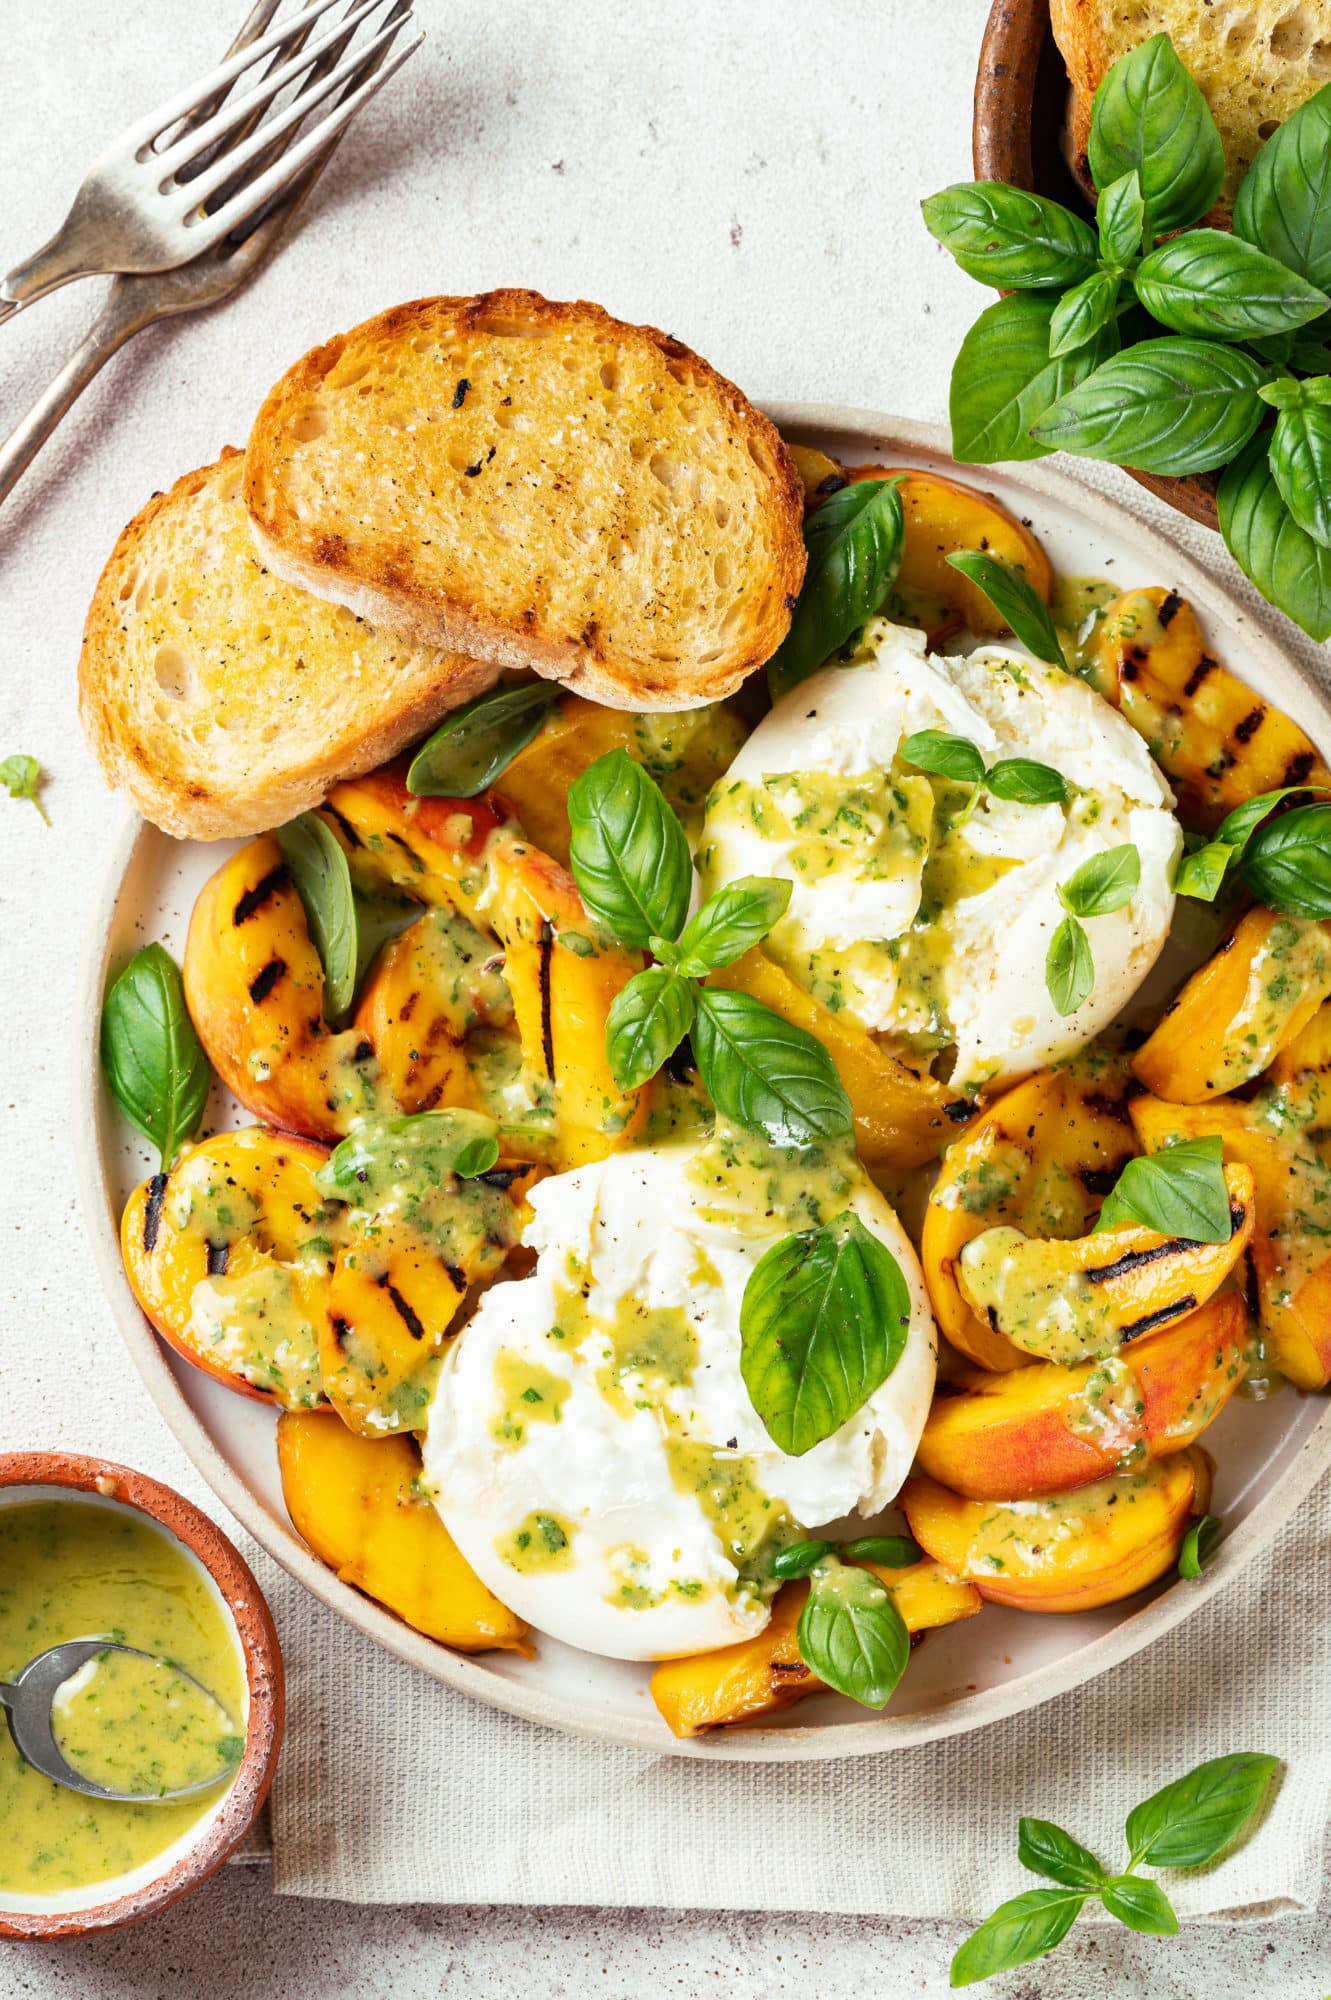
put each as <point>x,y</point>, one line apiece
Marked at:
<point>1298,768</point>
<point>1186,1304</point>
<point>410,852</point>
<point>833,483</point>
<point>408,1007</point>
<point>1108,1106</point>
<point>363,1050</point>
<point>502,1177</point>
<point>409,1317</point>
<point>152,1212</point>
<point>959,1110</point>
<point>1098,1180</point>
<point>262,892</point>
<point>547,946</point>
<point>992,1318</point>
<point>1136,1260</point>
<point>341,1330</point>
<point>788,1669</point>
<point>347,830</point>
<point>1170,607</point>
<point>1245,731</point>
<point>218,1257</point>
<point>263,982</point>
<point>1204,668</point>
<point>457,1276</point>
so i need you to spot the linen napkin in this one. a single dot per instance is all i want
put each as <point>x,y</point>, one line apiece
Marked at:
<point>395,1789</point>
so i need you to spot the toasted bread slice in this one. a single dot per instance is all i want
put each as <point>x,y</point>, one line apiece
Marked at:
<point>222,700</point>
<point>1255,60</point>
<point>539,485</point>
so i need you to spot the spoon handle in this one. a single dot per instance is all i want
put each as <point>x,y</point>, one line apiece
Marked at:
<point>8,1695</point>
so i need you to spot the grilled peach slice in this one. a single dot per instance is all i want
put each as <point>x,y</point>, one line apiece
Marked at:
<point>430,987</point>
<point>1068,1551</point>
<point>1256,992</point>
<point>229,1255</point>
<point>358,1504</point>
<point>1076,1301</point>
<point>756,1677</point>
<point>1216,741</point>
<point>1047,1429</point>
<point>1041,1159</point>
<point>902,1115</point>
<point>1289,1254</point>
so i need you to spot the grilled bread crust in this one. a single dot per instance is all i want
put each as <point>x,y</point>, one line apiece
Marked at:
<point>225,702</point>
<point>540,486</point>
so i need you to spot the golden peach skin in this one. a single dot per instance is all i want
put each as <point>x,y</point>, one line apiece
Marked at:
<point>1069,1551</point>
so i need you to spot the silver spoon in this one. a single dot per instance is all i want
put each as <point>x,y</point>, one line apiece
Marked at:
<point>28,1704</point>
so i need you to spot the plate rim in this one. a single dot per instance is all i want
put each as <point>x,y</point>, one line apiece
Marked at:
<point>876,431</point>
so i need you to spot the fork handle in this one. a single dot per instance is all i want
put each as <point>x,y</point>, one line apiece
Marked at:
<point>70,253</point>
<point>118,320</point>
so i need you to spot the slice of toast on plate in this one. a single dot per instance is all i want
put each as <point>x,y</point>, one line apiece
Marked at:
<point>540,486</point>
<point>224,701</point>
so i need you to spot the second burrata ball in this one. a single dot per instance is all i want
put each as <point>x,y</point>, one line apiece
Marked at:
<point>917,918</point>
<point>592,1448</point>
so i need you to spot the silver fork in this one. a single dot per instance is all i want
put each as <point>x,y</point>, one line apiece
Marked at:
<point>143,209</point>
<point>135,302</point>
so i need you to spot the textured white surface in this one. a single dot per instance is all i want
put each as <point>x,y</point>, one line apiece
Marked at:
<point>745,173</point>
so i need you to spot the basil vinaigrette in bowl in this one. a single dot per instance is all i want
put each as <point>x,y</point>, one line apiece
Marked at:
<point>165,1716</point>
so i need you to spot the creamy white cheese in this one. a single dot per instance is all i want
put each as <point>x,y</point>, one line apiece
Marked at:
<point>591,1446</point>
<point>939,936</point>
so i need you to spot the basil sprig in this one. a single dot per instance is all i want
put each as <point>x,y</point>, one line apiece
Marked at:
<point>851,1634</point>
<point>854,541</point>
<point>823,1322</point>
<point>476,743</point>
<point>1203,873</point>
<point>1199,1547</point>
<point>1246,315</point>
<point>1179,1191</point>
<point>1101,885</point>
<point>1287,864</point>
<point>21,775</point>
<point>151,1057</point>
<point>630,860</point>
<point>889,1551</point>
<point>1185,1825</point>
<point>318,868</point>
<point>1021,780</point>
<point>1014,600</point>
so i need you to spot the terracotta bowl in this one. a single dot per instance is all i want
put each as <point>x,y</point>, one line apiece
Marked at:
<point>1021,93</point>
<point>128,1899</point>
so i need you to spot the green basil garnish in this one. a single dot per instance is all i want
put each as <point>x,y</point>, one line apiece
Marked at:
<point>151,1056</point>
<point>1003,380</point>
<point>628,851</point>
<point>1169,406</point>
<point>1284,203</point>
<point>1020,780</point>
<point>1023,782</point>
<point>1069,969</point>
<point>735,918</point>
<point>1140,1904</point>
<point>648,1020</point>
<point>1020,1930</point>
<point>476,743</point>
<point>318,868</point>
<point>1300,455</point>
<point>823,1323</point>
<point>891,1551</point>
<point>1199,1546</point>
<point>764,1073</point>
<point>1179,1191</point>
<point>1006,237</point>
<point>1120,219</point>
<point>1047,1850</point>
<point>1081,313</point>
<point>852,1635</point>
<point>1202,873</point>
<point>1213,284</point>
<point>1193,1820</point>
<point>799,1558</point>
<point>1287,864</point>
<point>1014,600</point>
<point>1287,565</point>
<point>21,775</point>
<point>854,541</point>
<point>1104,883</point>
<point>423,1146</point>
<point>944,756</point>
<point>1150,117</point>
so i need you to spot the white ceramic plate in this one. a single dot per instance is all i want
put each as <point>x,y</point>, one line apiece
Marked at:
<point>1267,1454</point>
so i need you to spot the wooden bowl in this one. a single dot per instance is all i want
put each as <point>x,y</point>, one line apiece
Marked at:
<point>1021,93</point>
<point>128,1899</point>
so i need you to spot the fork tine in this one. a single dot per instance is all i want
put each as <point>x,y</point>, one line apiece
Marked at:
<point>216,223</point>
<point>256,100</point>
<point>258,18</point>
<point>236,158</point>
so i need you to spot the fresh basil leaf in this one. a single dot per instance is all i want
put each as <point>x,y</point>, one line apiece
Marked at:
<point>1080,313</point>
<point>765,1073</point>
<point>318,869</point>
<point>1300,456</point>
<point>1069,969</point>
<point>1018,1931</point>
<point>1013,599</point>
<point>1312,356</point>
<point>1141,1904</point>
<point>854,541</point>
<point>1199,1546</point>
<point>477,742</point>
<point>1003,379</point>
<point>1191,1821</point>
<point>1284,391</point>
<point>1202,873</point>
<point>627,851</point>
<point>1179,1191</point>
<point>424,1146</point>
<point>1104,883</point>
<point>1007,237</point>
<point>21,775</point>
<point>1288,863</point>
<point>852,1635</point>
<point>1046,1850</point>
<point>799,1559</point>
<point>1149,115</point>
<point>1237,827</point>
<point>648,1020</point>
<point>1026,783</point>
<point>1168,406</point>
<point>1213,284</point>
<point>736,917</point>
<point>944,756</point>
<point>1284,203</point>
<point>889,1551</point>
<point>823,1323</point>
<point>1291,570</point>
<point>151,1056</point>
<point>1120,217</point>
